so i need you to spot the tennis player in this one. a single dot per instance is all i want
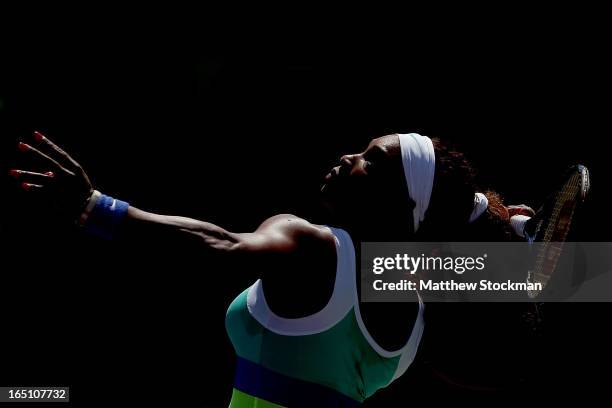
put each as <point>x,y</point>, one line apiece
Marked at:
<point>316,346</point>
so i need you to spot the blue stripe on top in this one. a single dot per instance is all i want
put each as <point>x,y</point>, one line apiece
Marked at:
<point>261,382</point>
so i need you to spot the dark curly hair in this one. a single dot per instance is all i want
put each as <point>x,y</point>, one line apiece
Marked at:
<point>452,202</point>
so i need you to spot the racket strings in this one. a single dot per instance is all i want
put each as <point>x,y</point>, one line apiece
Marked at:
<point>547,257</point>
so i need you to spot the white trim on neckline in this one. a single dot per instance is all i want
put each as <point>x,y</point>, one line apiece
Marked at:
<point>338,306</point>
<point>344,298</point>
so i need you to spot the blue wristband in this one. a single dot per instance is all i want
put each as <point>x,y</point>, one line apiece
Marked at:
<point>106,216</point>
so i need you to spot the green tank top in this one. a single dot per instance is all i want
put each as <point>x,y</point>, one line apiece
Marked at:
<point>327,359</point>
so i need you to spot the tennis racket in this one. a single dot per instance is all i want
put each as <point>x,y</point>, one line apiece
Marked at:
<point>551,224</point>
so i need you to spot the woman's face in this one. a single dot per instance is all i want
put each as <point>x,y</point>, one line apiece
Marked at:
<point>367,183</point>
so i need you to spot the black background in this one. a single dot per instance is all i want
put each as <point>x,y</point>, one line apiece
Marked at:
<point>173,121</point>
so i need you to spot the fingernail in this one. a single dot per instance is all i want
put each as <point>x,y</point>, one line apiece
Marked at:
<point>38,136</point>
<point>14,173</point>
<point>50,174</point>
<point>23,147</point>
<point>25,186</point>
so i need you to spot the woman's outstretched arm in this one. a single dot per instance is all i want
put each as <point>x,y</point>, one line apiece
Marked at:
<point>64,182</point>
<point>283,234</point>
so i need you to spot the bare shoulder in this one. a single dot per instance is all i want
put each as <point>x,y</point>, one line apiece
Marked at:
<point>296,229</point>
<point>299,250</point>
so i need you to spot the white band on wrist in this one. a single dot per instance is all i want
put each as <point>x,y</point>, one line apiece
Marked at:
<point>518,224</point>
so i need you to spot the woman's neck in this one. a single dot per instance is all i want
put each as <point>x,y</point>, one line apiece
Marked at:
<point>380,232</point>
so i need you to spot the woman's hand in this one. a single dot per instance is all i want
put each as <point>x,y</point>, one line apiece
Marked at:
<point>59,178</point>
<point>520,209</point>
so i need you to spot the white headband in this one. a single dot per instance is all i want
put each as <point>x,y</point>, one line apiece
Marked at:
<point>419,162</point>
